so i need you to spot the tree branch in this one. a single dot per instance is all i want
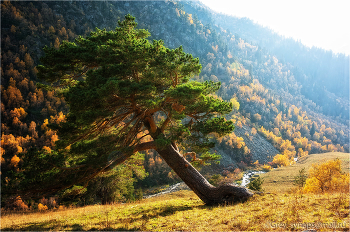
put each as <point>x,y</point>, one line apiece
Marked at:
<point>120,159</point>
<point>116,161</point>
<point>174,145</point>
<point>152,124</point>
<point>144,146</point>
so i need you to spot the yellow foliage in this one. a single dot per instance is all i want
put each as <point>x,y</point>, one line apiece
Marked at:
<point>15,160</point>
<point>19,149</point>
<point>289,154</point>
<point>47,149</point>
<point>302,153</point>
<point>2,152</point>
<point>246,150</point>
<point>44,125</point>
<point>57,119</point>
<point>235,103</point>
<point>22,112</point>
<point>327,177</point>
<point>253,132</point>
<point>240,142</point>
<point>312,185</point>
<point>42,207</point>
<point>190,18</point>
<point>281,160</point>
<point>54,138</point>
<point>266,168</point>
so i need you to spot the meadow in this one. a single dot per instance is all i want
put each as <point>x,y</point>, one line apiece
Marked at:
<point>281,179</point>
<point>279,208</point>
<point>184,211</point>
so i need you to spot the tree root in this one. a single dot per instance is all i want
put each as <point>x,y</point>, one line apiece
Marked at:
<point>227,194</point>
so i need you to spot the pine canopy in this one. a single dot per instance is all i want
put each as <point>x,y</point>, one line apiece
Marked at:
<point>126,94</point>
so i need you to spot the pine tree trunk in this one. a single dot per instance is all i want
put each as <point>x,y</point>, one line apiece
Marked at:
<point>208,193</point>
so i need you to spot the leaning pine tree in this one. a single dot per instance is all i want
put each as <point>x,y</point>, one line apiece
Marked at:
<point>117,85</point>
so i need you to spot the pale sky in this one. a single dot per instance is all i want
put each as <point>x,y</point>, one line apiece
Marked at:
<point>324,24</point>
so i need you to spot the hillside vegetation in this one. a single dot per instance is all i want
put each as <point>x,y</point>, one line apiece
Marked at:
<point>288,99</point>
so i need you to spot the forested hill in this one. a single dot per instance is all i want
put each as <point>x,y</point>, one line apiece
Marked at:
<point>288,99</point>
<point>322,75</point>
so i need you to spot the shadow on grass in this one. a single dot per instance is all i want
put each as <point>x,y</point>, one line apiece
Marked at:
<point>43,226</point>
<point>48,226</point>
<point>136,215</point>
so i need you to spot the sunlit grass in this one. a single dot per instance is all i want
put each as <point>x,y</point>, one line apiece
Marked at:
<point>281,179</point>
<point>281,208</point>
<point>184,211</point>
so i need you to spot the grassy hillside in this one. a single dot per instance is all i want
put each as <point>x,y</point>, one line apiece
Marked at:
<point>278,210</point>
<point>281,179</point>
<point>184,211</point>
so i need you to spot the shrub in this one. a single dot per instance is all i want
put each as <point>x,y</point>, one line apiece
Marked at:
<point>19,204</point>
<point>266,168</point>
<point>256,184</point>
<point>215,179</point>
<point>281,160</point>
<point>42,207</point>
<point>327,177</point>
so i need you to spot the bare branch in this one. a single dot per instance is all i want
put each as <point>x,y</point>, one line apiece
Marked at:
<point>174,145</point>
<point>134,130</point>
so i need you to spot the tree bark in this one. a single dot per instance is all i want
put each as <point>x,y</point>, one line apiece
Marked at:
<point>208,193</point>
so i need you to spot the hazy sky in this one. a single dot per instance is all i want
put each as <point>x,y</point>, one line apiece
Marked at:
<point>321,23</point>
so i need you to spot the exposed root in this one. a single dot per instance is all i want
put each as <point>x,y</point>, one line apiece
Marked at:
<point>228,194</point>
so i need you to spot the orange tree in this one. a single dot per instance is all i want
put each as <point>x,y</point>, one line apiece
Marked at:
<point>327,177</point>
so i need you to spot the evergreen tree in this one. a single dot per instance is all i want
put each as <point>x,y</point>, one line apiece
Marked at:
<point>300,179</point>
<point>116,83</point>
<point>313,129</point>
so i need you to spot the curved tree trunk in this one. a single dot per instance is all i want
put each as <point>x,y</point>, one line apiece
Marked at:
<point>208,193</point>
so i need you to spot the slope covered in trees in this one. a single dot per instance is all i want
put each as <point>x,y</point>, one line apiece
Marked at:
<point>287,97</point>
<point>322,75</point>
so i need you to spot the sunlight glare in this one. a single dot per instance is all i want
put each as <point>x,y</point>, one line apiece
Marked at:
<point>315,23</point>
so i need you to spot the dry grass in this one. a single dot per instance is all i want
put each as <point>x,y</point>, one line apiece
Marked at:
<point>281,179</point>
<point>184,211</point>
<point>281,210</point>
